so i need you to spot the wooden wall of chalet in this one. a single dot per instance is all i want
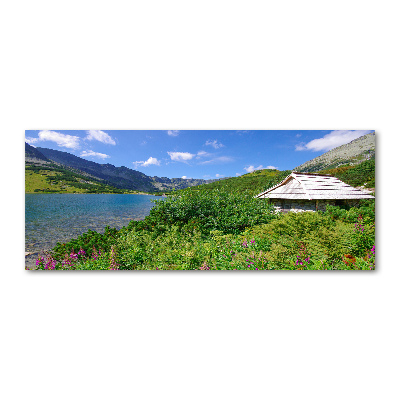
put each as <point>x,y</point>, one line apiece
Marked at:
<point>286,205</point>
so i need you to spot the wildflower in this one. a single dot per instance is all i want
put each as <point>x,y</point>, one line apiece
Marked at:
<point>303,259</point>
<point>204,266</point>
<point>358,226</point>
<point>113,263</point>
<point>67,262</point>
<point>94,253</point>
<point>51,263</point>
<point>39,260</point>
<point>349,260</point>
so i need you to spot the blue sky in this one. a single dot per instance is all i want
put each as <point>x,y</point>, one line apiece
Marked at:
<point>206,154</point>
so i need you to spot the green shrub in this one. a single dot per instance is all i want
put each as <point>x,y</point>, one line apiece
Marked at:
<point>87,241</point>
<point>229,212</point>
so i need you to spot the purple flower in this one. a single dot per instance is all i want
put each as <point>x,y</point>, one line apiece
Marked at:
<point>39,260</point>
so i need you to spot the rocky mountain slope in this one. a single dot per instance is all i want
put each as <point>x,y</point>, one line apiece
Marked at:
<point>355,152</point>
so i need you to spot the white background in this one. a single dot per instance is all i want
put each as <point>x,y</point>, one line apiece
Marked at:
<point>199,65</point>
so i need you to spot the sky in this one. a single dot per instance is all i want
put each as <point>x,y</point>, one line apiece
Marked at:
<point>200,154</point>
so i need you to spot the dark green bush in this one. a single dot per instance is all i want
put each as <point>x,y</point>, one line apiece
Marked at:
<point>228,212</point>
<point>366,209</point>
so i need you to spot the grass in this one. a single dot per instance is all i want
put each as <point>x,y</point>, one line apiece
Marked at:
<point>55,179</point>
<point>35,182</point>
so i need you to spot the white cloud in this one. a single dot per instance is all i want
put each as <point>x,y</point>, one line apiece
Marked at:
<point>202,153</point>
<point>63,140</point>
<point>300,147</point>
<point>150,161</point>
<point>185,177</point>
<point>91,153</point>
<point>270,167</point>
<point>186,156</point>
<point>219,176</point>
<point>31,140</point>
<point>214,143</point>
<point>331,140</point>
<point>238,174</point>
<point>100,136</point>
<point>251,168</point>
<point>173,133</point>
<point>218,160</point>
<point>180,156</point>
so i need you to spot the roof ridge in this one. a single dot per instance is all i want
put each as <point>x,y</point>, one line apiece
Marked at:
<point>306,173</point>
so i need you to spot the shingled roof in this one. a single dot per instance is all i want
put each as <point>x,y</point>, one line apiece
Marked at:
<point>302,186</point>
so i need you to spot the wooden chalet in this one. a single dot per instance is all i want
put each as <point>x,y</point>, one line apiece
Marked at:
<point>311,192</point>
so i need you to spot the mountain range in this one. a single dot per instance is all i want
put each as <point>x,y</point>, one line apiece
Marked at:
<point>108,174</point>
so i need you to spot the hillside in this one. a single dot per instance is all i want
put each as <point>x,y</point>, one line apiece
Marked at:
<point>119,178</point>
<point>358,150</point>
<point>362,174</point>
<point>52,178</point>
<point>122,177</point>
<point>255,181</point>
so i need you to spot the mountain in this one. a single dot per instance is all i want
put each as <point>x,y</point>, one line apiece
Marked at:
<point>33,155</point>
<point>353,153</point>
<point>46,176</point>
<point>119,177</point>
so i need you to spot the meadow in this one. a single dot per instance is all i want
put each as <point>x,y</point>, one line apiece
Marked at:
<point>222,229</point>
<point>221,226</point>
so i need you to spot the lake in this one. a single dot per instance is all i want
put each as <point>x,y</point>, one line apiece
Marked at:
<point>52,218</point>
